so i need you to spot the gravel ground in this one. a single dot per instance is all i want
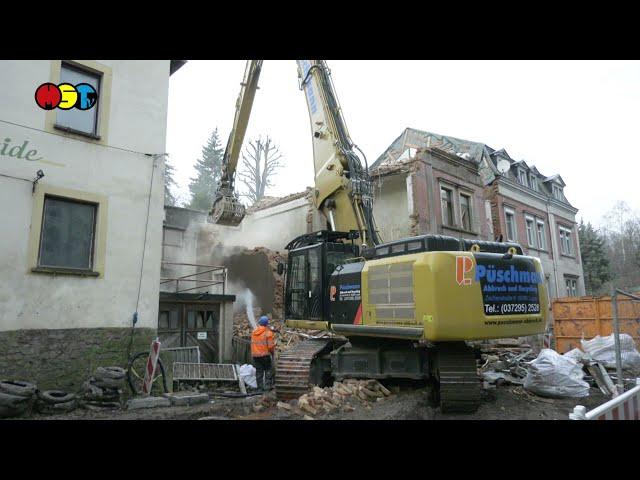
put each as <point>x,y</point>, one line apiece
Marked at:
<point>506,402</point>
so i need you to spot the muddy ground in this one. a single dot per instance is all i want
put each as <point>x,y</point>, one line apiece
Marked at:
<point>507,402</point>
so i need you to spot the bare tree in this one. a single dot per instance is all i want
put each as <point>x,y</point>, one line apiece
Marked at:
<point>259,162</point>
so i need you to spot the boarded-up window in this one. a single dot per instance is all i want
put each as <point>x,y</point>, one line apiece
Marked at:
<point>68,231</point>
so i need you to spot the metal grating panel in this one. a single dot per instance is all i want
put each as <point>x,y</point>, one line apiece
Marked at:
<point>185,354</point>
<point>204,371</point>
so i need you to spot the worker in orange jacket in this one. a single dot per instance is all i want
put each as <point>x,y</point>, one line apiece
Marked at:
<point>263,346</point>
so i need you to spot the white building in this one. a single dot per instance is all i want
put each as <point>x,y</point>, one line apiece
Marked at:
<point>80,249</point>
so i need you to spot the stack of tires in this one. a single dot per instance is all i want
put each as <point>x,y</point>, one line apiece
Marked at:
<point>16,398</point>
<point>56,401</point>
<point>103,390</point>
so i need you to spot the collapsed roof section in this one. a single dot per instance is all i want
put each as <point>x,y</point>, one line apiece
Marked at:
<point>404,148</point>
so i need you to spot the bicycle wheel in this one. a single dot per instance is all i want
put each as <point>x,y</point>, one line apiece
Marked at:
<point>135,375</point>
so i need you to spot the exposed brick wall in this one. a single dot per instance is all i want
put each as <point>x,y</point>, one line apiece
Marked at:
<point>65,358</point>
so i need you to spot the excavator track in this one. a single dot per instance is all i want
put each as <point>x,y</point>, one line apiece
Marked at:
<point>459,383</point>
<point>294,375</point>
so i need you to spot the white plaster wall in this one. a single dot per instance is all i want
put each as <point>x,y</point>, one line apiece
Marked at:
<point>137,122</point>
<point>391,208</point>
<point>272,227</point>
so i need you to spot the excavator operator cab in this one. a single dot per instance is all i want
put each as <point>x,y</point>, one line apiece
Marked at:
<point>311,261</point>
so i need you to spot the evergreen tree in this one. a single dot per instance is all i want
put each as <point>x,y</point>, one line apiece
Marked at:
<point>595,262</point>
<point>169,183</point>
<point>209,170</point>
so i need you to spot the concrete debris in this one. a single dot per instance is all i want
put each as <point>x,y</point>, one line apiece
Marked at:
<point>148,402</point>
<point>341,396</point>
<point>180,399</point>
<point>283,405</point>
<point>506,365</point>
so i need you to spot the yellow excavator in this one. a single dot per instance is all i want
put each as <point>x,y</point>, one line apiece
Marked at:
<point>400,309</point>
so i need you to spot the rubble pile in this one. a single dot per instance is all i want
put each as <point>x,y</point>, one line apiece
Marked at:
<point>341,397</point>
<point>285,337</point>
<point>504,361</point>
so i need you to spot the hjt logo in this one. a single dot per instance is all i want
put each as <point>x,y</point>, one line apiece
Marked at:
<point>464,265</point>
<point>66,96</point>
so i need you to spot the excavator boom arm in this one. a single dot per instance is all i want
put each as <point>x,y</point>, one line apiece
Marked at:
<point>343,190</point>
<point>227,209</point>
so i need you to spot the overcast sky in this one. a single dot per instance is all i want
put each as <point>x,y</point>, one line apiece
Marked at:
<point>577,118</point>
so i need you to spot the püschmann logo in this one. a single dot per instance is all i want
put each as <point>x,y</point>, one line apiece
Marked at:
<point>464,265</point>
<point>66,96</point>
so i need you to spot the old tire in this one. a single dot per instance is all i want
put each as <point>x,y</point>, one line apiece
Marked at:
<point>53,397</point>
<point>12,401</point>
<point>65,406</point>
<point>18,388</point>
<point>134,383</point>
<point>114,373</point>
<point>106,383</point>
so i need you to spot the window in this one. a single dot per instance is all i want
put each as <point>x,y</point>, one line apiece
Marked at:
<point>533,182</point>
<point>522,177</point>
<point>81,121</point>
<point>67,235</point>
<point>572,286</point>
<point>557,192</point>
<point>531,236</point>
<point>565,241</point>
<point>465,211</point>
<point>447,206</point>
<point>399,248</point>
<point>541,237</point>
<point>411,246</point>
<point>511,224</point>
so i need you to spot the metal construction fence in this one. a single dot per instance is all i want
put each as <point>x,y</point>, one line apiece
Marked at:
<point>623,407</point>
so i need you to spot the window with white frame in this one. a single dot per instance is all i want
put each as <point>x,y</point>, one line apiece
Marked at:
<point>540,234</point>
<point>531,234</point>
<point>572,286</point>
<point>565,241</point>
<point>557,192</point>
<point>446,198</point>
<point>533,182</point>
<point>522,177</point>
<point>81,121</point>
<point>510,220</point>
<point>465,211</point>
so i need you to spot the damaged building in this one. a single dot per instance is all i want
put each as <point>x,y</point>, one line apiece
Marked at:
<point>463,188</point>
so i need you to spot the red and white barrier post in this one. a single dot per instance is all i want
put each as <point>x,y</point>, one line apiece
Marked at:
<point>152,363</point>
<point>623,407</point>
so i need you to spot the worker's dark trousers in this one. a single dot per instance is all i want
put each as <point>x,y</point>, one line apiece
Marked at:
<point>263,369</point>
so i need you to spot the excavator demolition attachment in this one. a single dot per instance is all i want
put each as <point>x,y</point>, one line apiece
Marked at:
<point>227,210</point>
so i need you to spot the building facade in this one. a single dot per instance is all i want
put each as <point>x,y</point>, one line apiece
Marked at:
<point>82,220</point>
<point>471,184</point>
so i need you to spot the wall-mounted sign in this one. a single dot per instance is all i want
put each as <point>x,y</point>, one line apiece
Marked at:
<point>202,335</point>
<point>10,148</point>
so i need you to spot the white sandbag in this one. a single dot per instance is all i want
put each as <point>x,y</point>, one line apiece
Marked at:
<point>248,374</point>
<point>603,350</point>
<point>576,355</point>
<point>555,375</point>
